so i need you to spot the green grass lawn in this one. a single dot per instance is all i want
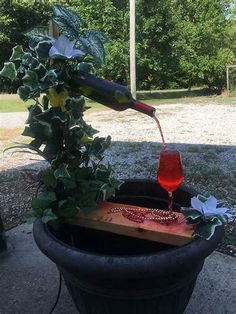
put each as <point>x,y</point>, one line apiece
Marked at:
<point>12,103</point>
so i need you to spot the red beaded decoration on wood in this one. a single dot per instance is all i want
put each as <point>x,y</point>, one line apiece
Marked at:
<point>139,215</point>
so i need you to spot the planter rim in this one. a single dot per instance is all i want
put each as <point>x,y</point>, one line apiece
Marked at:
<point>112,265</point>
<point>161,262</point>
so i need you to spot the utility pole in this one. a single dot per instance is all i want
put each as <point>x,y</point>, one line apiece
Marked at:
<point>228,85</point>
<point>132,55</point>
<point>227,80</point>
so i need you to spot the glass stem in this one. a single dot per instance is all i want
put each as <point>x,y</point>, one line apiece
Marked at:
<point>170,206</point>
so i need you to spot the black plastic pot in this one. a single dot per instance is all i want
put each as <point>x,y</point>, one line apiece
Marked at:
<point>113,274</point>
<point>3,243</point>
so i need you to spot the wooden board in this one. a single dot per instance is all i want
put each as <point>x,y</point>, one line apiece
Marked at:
<point>177,233</point>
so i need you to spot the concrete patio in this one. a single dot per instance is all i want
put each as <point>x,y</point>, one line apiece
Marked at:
<point>29,281</point>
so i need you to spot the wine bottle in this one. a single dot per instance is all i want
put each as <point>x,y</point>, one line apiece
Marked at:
<point>108,93</point>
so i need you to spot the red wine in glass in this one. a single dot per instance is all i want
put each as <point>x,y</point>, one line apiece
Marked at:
<point>170,172</point>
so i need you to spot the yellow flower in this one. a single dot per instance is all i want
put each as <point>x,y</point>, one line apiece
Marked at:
<point>57,99</point>
<point>85,139</point>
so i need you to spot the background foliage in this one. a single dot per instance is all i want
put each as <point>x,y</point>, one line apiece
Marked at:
<point>180,43</point>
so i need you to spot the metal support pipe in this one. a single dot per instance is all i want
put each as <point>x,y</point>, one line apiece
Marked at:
<point>227,80</point>
<point>132,50</point>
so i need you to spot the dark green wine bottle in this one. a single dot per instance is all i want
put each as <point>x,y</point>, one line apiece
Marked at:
<point>110,94</point>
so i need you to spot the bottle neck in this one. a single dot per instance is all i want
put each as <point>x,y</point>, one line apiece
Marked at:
<point>144,108</point>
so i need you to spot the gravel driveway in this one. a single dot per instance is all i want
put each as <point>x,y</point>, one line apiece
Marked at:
<point>192,128</point>
<point>181,123</point>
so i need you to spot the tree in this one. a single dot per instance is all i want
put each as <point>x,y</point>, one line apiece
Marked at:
<point>105,15</point>
<point>17,17</point>
<point>156,35</point>
<point>112,18</point>
<point>202,45</point>
<point>183,42</point>
<point>180,43</point>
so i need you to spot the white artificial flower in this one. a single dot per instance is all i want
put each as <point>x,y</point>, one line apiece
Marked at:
<point>209,207</point>
<point>64,48</point>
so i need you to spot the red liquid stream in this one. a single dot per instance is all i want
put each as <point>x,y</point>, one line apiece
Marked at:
<point>161,132</point>
<point>170,172</point>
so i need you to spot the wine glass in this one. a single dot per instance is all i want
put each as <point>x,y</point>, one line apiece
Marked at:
<point>170,172</point>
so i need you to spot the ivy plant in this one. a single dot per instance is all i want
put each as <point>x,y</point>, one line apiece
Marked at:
<point>76,178</point>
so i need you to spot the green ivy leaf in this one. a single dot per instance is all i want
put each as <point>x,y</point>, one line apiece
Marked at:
<point>44,116</point>
<point>28,59</point>
<point>100,36</point>
<point>222,218</point>
<point>192,216</point>
<point>52,147</point>
<point>89,130</point>
<point>33,43</point>
<point>36,143</point>
<point>99,145</point>
<point>31,216</point>
<point>42,49</point>
<point>34,64</point>
<point>9,71</point>
<point>69,184</point>
<point>107,191</point>
<point>40,70</point>
<point>48,215</point>
<point>92,185</point>
<point>50,78</point>
<point>58,116</point>
<point>24,92</point>
<point>31,80</point>
<point>115,183</point>
<point>37,33</point>
<point>83,173</point>
<point>34,110</point>
<point>206,230</point>
<point>17,53</point>
<point>102,173</point>
<point>67,208</point>
<point>41,131</point>
<point>43,201</point>
<point>68,21</point>
<point>87,199</point>
<point>90,42</point>
<point>49,179</point>
<point>52,75</point>
<point>53,116</point>
<point>76,105</point>
<point>28,132</point>
<point>85,67</point>
<point>62,172</point>
<point>202,198</point>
